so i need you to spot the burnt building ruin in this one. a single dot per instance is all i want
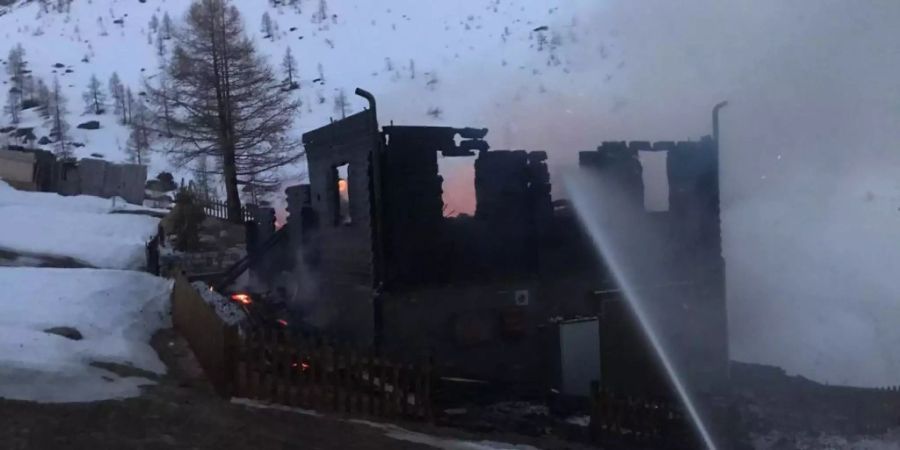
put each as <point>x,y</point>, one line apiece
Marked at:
<point>371,258</point>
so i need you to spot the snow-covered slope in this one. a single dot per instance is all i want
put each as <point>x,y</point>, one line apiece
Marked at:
<point>414,55</point>
<point>81,228</point>
<point>115,311</point>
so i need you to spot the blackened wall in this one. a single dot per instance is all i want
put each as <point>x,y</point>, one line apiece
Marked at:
<point>680,249</point>
<point>343,254</point>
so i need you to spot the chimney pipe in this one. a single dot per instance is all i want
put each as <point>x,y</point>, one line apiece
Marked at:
<point>715,115</point>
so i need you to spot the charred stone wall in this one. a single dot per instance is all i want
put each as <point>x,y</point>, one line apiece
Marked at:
<point>424,248</point>
<point>342,253</point>
<point>453,287</point>
<point>512,190</point>
<point>683,277</point>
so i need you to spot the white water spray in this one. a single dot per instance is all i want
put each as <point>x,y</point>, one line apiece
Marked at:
<point>610,253</point>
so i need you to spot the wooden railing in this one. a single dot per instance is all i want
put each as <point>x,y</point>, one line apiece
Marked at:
<point>219,210</point>
<point>632,422</point>
<point>309,373</point>
<point>212,340</point>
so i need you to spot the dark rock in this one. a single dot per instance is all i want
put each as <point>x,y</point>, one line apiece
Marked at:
<point>69,70</point>
<point>293,28</point>
<point>97,155</point>
<point>77,144</point>
<point>90,125</point>
<point>59,65</point>
<point>66,332</point>
<point>25,133</point>
<point>29,103</point>
<point>154,185</point>
<point>7,129</point>
<point>44,140</point>
<point>168,182</point>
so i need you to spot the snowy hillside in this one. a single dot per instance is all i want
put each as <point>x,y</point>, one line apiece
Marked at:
<point>414,56</point>
<point>43,224</point>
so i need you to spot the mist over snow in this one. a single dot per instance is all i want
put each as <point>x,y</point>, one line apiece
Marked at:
<point>809,164</point>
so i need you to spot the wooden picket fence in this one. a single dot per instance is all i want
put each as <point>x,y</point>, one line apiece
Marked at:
<point>631,422</point>
<point>219,210</point>
<point>309,373</point>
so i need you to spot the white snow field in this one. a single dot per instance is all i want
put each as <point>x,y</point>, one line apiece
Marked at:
<point>81,228</point>
<point>115,311</point>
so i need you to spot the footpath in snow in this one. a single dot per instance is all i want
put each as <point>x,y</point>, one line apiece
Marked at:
<point>82,228</point>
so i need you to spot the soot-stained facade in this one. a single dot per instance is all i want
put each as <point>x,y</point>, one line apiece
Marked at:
<point>374,260</point>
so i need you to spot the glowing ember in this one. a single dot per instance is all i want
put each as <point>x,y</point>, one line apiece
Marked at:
<point>342,185</point>
<point>243,299</point>
<point>303,366</point>
<point>282,322</point>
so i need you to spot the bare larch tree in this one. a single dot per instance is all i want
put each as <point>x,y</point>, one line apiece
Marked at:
<point>129,105</point>
<point>94,97</point>
<point>166,27</point>
<point>59,127</point>
<point>117,91</point>
<point>140,138</point>
<point>289,64</point>
<point>42,96</point>
<point>15,67</point>
<point>341,104</point>
<point>163,102</point>
<point>227,102</point>
<point>268,30</point>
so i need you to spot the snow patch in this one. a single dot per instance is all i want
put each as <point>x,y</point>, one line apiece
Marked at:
<point>260,405</point>
<point>228,311</point>
<point>116,311</point>
<point>581,421</point>
<point>79,227</point>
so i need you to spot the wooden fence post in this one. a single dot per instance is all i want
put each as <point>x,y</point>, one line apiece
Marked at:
<point>278,367</point>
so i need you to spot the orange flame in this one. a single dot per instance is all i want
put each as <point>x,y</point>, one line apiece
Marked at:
<point>243,299</point>
<point>342,185</point>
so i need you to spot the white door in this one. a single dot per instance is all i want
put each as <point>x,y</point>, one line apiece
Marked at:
<point>579,350</point>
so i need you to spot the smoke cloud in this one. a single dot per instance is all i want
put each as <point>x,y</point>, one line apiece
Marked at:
<point>809,150</point>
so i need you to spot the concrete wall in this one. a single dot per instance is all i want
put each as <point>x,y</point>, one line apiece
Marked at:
<point>104,179</point>
<point>17,169</point>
